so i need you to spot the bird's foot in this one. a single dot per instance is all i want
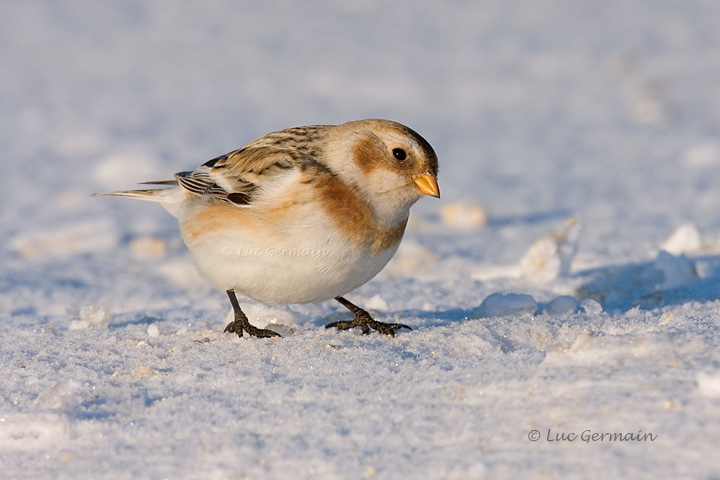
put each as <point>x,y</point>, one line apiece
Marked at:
<point>241,322</point>
<point>364,321</point>
<point>239,326</point>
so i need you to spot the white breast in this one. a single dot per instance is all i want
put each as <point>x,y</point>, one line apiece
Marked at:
<point>302,259</point>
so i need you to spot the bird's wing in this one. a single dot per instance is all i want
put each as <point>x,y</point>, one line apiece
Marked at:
<point>238,176</point>
<point>241,174</point>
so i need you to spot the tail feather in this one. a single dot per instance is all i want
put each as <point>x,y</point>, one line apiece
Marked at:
<point>172,199</point>
<point>161,182</point>
<point>159,195</point>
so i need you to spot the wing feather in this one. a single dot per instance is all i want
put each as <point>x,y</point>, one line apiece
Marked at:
<point>239,176</point>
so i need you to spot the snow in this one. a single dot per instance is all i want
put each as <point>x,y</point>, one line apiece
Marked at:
<point>595,121</point>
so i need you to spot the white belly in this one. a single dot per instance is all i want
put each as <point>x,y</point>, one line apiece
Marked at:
<point>306,261</point>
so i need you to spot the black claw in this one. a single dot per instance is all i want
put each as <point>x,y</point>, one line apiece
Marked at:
<point>366,329</point>
<point>241,322</point>
<point>261,332</point>
<point>364,321</point>
<point>234,327</point>
<point>253,331</point>
<point>388,328</point>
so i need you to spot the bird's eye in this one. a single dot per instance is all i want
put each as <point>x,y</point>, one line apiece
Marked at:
<point>399,153</point>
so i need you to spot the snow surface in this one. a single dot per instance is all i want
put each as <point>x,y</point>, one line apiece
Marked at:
<point>599,121</point>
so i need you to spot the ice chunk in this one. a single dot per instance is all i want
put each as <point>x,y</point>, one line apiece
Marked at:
<point>542,262</point>
<point>504,304</point>
<point>561,305</point>
<point>551,254</point>
<point>677,270</point>
<point>91,317</point>
<point>143,372</point>
<point>590,306</point>
<point>684,239</point>
<point>153,331</point>
<point>64,394</point>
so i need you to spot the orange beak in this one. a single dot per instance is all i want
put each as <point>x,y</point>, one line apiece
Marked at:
<point>427,183</point>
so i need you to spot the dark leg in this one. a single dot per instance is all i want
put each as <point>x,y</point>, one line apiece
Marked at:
<point>241,322</point>
<point>364,320</point>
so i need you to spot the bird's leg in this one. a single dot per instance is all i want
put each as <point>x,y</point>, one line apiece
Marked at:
<point>364,320</point>
<point>241,322</point>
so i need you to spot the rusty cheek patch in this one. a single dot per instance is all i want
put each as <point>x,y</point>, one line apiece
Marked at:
<point>368,153</point>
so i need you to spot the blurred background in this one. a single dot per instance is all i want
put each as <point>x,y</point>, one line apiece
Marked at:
<point>607,110</point>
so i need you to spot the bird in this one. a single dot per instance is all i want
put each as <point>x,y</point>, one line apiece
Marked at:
<point>301,215</point>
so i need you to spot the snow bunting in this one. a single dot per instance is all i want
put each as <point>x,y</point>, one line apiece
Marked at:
<point>301,215</point>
